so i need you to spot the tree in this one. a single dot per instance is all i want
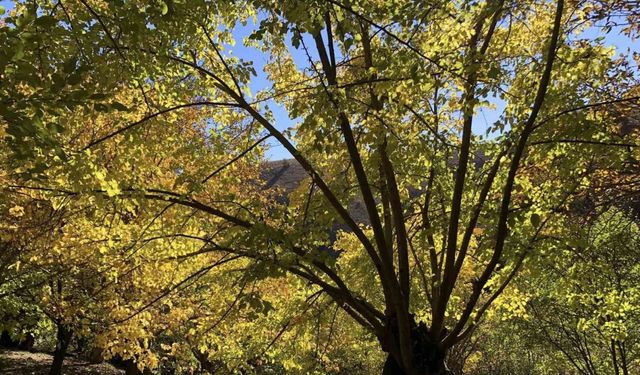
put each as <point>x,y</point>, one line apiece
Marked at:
<point>581,301</point>
<point>590,309</point>
<point>385,96</point>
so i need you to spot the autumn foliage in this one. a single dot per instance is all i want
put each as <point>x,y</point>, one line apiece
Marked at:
<point>461,195</point>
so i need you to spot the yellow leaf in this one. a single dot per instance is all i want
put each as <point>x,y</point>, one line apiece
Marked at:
<point>16,211</point>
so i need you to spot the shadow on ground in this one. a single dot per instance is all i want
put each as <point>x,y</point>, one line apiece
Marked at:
<point>19,363</point>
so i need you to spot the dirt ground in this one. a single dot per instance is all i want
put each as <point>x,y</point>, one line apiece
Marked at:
<point>19,363</point>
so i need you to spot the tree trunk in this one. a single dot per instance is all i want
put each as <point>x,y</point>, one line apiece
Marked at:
<point>391,367</point>
<point>7,341</point>
<point>131,368</point>
<point>428,356</point>
<point>27,343</point>
<point>614,358</point>
<point>63,338</point>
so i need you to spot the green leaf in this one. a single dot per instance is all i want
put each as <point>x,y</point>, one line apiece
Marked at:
<point>164,8</point>
<point>46,21</point>
<point>98,96</point>
<point>101,107</point>
<point>119,106</point>
<point>535,220</point>
<point>18,52</point>
<point>511,221</point>
<point>295,41</point>
<point>69,65</point>
<point>74,79</point>
<point>493,72</point>
<point>348,42</point>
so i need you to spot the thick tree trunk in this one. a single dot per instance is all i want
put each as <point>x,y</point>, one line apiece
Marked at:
<point>391,367</point>
<point>63,338</point>
<point>428,356</point>
<point>131,368</point>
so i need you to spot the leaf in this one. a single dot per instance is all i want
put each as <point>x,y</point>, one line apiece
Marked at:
<point>18,52</point>
<point>101,107</point>
<point>164,8</point>
<point>348,42</point>
<point>535,220</point>
<point>58,82</point>
<point>46,21</point>
<point>295,40</point>
<point>119,106</point>
<point>69,65</point>
<point>74,79</point>
<point>98,96</point>
<point>16,211</point>
<point>493,72</point>
<point>112,189</point>
<point>511,221</point>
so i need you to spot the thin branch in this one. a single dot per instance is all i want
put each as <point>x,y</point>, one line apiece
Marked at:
<point>236,158</point>
<point>154,115</point>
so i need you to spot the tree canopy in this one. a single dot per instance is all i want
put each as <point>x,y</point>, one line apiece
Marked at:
<point>469,167</point>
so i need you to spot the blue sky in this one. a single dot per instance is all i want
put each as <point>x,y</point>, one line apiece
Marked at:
<point>6,4</point>
<point>483,119</point>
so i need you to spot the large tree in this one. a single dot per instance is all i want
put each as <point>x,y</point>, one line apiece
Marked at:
<point>387,99</point>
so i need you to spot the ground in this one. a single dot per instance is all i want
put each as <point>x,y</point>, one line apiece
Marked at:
<point>19,363</point>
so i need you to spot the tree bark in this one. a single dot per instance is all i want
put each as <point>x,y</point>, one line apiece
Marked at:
<point>27,343</point>
<point>7,341</point>
<point>63,338</point>
<point>391,367</point>
<point>131,368</point>
<point>429,358</point>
